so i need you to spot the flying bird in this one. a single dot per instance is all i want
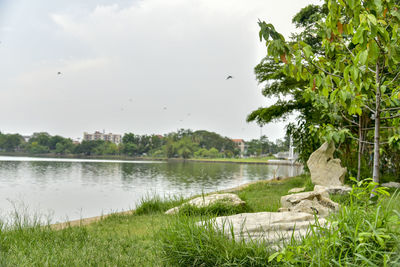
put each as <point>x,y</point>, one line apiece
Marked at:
<point>59,73</point>
<point>229,77</point>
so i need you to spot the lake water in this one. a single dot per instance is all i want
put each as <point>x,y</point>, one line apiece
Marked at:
<point>68,189</point>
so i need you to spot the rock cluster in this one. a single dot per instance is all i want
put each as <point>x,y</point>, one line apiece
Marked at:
<point>205,201</point>
<point>314,202</point>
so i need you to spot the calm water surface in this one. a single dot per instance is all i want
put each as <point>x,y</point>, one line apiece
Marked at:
<point>68,189</point>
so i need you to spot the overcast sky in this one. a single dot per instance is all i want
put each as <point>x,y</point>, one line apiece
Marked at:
<point>141,66</point>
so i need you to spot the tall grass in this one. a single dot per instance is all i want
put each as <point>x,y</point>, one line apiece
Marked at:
<point>184,243</point>
<point>151,204</point>
<point>28,243</point>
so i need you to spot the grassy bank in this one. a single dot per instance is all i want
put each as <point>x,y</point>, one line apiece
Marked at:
<point>261,160</point>
<point>150,238</point>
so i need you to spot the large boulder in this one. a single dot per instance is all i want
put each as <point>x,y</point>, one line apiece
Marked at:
<point>391,185</point>
<point>314,202</point>
<point>204,201</point>
<point>324,169</point>
<point>272,227</point>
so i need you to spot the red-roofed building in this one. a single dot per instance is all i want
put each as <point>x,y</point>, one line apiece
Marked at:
<point>240,144</point>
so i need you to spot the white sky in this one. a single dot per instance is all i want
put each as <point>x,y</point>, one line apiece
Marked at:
<point>141,66</point>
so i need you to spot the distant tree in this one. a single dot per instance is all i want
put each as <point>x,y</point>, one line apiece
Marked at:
<point>10,142</point>
<point>185,147</point>
<point>53,140</point>
<point>36,148</point>
<point>41,138</point>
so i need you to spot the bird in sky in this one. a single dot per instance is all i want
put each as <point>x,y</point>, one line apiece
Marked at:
<point>229,77</point>
<point>59,73</point>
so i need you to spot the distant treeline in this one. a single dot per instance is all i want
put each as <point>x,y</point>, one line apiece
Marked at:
<point>184,143</point>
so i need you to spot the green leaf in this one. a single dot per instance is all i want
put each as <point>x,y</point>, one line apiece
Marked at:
<point>362,57</point>
<point>359,36</point>
<point>273,256</point>
<point>307,51</point>
<point>373,51</point>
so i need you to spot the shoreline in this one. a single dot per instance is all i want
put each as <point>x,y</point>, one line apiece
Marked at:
<point>128,158</point>
<point>90,220</point>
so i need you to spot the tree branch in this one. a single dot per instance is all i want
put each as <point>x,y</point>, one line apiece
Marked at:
<point>366,142</point>
<point>391,117</point>
<point>395,77</point>
<point>372,128</point>
<point>347,119</point>
<point>389,109</point>
<point>321,69</point>
<point>370,109</point>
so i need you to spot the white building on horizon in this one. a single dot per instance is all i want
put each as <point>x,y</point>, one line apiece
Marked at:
<point>114,138</point>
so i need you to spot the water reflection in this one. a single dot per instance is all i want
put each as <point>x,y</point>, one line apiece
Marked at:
<point>77,189</point>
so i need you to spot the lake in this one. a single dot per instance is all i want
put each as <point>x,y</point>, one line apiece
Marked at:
<point>69,189</point>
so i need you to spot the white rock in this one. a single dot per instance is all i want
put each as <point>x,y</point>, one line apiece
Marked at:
<point>273,227</point>
<point>314,202</point>
<point>296,190</point>
<point>391,184</point>
<point>324,169</point>
<point>205,201</point>
<point>336,190</point>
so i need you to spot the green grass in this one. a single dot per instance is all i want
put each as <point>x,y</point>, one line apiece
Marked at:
<point>155,204</point>
<point>266,195</point>
<point>236,160</point>
<point>148,237</point>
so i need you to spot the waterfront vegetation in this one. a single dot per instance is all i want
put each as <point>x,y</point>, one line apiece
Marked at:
<point>363,233</point>
<point>183,143</point>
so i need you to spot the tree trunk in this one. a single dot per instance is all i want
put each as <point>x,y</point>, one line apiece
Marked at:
<point>360,145</point>
<point>375,173</point>
<point>362,123</point>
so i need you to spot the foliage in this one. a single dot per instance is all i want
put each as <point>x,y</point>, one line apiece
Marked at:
<point>356,72</point>
<point>10,142</point>
<point>289,90</point>
<point>263,146</point>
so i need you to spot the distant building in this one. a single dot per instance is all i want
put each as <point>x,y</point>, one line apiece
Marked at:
<point>27,137</point>
<point>240,144</point>
<point>114,138</point>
